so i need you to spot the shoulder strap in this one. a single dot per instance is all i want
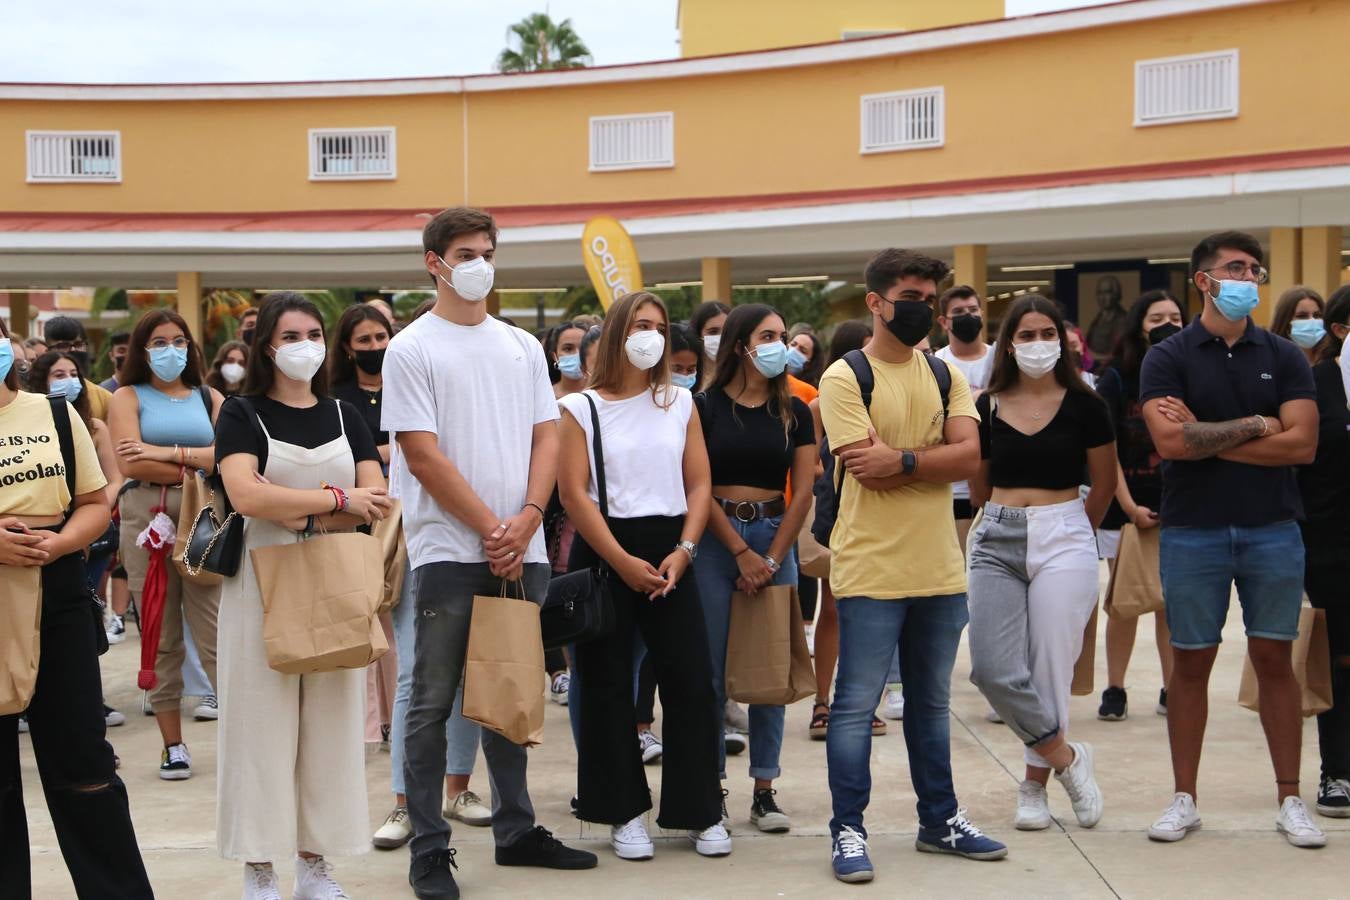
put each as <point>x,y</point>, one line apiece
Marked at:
<point>66,438</point>
<point>205,391</point>
<point>599,451</point>
<point>944,379</point>
<point>862,370</point>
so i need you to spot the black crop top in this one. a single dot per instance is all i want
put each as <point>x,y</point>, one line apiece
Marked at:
<point>1053,458</point>
<point>747,448</point>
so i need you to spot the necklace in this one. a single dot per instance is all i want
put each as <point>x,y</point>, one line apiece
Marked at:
<point>373,395</point>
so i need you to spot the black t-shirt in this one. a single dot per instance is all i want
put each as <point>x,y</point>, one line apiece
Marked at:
<point>1053,458</point>
<point>1139,458</point>
<point>1325,483</point>
<point>746,445</point>
<point>238,432</point>
<point>367,403</point>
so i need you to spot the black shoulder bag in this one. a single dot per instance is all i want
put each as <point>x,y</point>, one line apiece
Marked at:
<point>213,544</point>
<point>65,438</point>
<point>579,607</point>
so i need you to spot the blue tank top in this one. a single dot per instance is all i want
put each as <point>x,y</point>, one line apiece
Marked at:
<point>168,421</point>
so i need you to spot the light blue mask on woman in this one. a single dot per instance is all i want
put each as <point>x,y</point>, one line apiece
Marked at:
<point>168,362</point>
<point>66,387</point>
<point>685,381</point>
<point>570,366</point>
<point>796,360</point>
<point>1307,333</point>
<point>6,358</point>
<point>770,358</point>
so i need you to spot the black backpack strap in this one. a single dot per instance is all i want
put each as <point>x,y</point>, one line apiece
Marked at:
<point>862,371</point>
<point>66,438</point>
<point>944,379</point>
<point>599,451</point>
<point>205,392</point>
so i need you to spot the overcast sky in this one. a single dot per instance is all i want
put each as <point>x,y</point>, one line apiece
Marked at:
<point>124,41</point>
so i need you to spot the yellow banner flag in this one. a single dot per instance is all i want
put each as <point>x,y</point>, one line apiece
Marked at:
<point>611,259</point>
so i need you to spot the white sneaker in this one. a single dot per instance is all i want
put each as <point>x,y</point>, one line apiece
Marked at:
<point>991,715</point>
<point>557,689</point>
<point>1033,807</point>
<point>894,705</point>
<point>1180,819</point>
<point>395,832</point>
<point>735,742</point>
<point>1296,824</point>
<point>736,718</point>
<point>469,808</point>
<point>1080,782</point>
<point>631,841</point>
<point>712,841</point>
<point>650,745</point>
<point>260,882</point>
<point>314,881</point>
<point>208,710</point>
<point>811,639</point>
<point>117,631</point>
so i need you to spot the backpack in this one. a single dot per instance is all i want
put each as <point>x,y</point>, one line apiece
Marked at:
<point>829,485</point>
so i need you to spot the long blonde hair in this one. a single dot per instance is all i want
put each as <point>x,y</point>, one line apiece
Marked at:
<point>610,356</point>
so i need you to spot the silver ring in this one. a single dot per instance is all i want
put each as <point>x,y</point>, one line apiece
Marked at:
<point>511,555</point>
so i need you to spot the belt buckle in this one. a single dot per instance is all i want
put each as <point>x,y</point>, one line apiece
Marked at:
<point>747,505</point>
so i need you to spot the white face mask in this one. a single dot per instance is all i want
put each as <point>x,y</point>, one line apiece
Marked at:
<point>299,361</point>
<point>1036,358</point>
<point>644,348</point>
<point>471,279</point>
<point>710,345</point>
<point>233,373</point>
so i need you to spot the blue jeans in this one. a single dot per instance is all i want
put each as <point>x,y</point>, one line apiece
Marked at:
<point>927,631</point>
<point>461,735</point>
<point>716,571</point>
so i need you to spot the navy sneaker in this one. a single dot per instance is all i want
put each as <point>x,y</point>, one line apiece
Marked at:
<point>849,856</point>
<point>959,837</point>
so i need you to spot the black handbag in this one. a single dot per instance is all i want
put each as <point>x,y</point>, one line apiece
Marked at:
<point>579,607</point>
<point>214,545</point>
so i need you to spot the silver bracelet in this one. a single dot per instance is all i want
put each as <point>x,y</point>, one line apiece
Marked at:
<point>773,564</point>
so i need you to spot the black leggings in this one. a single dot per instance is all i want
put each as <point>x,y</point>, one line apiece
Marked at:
<point>1328,585</point>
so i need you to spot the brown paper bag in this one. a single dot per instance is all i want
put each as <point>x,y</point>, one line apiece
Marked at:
<point>20,635</point>
<point>767,659</point>
<point>196,494</point>
<point>320,598</point>
<point>504,669</point>
<point>1084,670</point>
<point>813,558</point>
<point>1136,580</point>
<point>1312,666</point>
<point>389,532</point>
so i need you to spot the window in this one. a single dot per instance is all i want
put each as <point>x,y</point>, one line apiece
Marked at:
<point>903,120</point>
<point>75,156</point>
<point>645,141</point>
<point>1186,88</point>
<point>351,154</point>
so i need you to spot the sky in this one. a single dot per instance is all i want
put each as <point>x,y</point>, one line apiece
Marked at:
<point>129,41</point>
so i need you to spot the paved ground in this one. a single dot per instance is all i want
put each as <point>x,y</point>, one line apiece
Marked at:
<point>1238,853</point>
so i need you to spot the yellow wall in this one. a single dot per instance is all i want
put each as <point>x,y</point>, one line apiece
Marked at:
<point>730,26</point>
<point>1036,105</point>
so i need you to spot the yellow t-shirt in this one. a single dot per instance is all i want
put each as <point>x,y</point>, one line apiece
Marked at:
<point>32,473</point>
<point>99,398</point>
<point>890,545</point>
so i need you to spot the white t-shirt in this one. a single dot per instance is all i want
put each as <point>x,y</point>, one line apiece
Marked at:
<point>481,390</point>
<point>643,445</point>
<point>977,372</point>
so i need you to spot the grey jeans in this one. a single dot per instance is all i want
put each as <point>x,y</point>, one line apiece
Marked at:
<point>443,596</point>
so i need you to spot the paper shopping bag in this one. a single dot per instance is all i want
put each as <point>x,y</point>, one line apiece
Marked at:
<point>394,550</point>
<point>20,635</point>
<point>766,645</point>
<point>504,669</point>
<point>1136,579</point>
<point>320,599</point>
<point>813,557</point>
<point>1084,669</point>
<point>197,495</point>
<point>1312,666</point>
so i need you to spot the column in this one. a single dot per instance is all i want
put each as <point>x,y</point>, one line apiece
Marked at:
<point>494,303</point>
<point>1322,258</point>
<point>972,268</point>
<point>1285,270</point>
<point>189,305</point>
<point>717,279</point>
<point>18,314</point>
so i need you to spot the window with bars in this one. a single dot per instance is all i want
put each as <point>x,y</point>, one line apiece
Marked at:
<point>645,141</point>
<point>351,154</point>
<point>55,156</point>
<point>903,120</point>
<point>1190,88</point>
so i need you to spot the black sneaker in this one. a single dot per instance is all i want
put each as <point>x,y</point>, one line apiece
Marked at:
<point>430,875</point>
<point>1333,798</point>
<point>175,764</point>
<point>540,848</point>
<point>1115,707</point>
<point>766,815</point>
<point>726,817</point>
<point>1161,708</point>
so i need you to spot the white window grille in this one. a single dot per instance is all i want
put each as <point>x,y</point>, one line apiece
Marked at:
<point>645,141</point>
<point>903,120</point>
<point>1190,88</point>
<point>55,156</point>
<point>351,154</point>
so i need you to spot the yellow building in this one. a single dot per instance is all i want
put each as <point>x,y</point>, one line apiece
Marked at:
<point>1045,152</point>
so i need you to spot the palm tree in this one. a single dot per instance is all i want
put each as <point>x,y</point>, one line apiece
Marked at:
<point>543,44</point>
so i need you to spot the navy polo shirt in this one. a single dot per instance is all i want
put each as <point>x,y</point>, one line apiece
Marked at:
<point>1219,383</point>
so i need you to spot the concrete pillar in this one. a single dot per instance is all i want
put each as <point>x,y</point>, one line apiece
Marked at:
<point>189,305</point>
<point>494,303</point>
<point>1285,271</point>
<point>717,279</point>
<point>18,314</point>
<point>972,268</point>
<point>1322,258</point>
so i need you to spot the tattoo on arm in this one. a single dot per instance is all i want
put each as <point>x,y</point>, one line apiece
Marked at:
<point>1205,439</point>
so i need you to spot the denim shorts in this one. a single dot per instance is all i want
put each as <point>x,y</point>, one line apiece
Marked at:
<point>1201,565</point>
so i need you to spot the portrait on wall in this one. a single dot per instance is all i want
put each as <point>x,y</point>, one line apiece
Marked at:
<point>1103,299</point>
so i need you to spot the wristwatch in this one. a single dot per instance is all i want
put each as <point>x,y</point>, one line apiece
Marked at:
<point>908,462</point>
<point>773,564</point>
<point>688,547</point>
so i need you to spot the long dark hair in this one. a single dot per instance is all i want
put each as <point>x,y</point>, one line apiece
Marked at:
<point>732,356</point>
<point>1006,374</point>
<point>682,338</point>
<point>1132,343</point>
<point>340,367</point>
<point>1283,320</point>
<point>136,370</point>
<point>551,346</point>
<point>261,372</point>
<point>850,335</point>
<point>710,309</point>
<point>214,378</point>
<point>1337,312</point>
<point>810,373</point>
<point>41,371</point>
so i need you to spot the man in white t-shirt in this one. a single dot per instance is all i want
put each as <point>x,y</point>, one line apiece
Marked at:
<point>470,400</point>
<point>960,316</point>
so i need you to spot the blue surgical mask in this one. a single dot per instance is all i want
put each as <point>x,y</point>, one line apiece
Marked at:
<point>770,358</point>
<point>570,366</point>
<point>168,362</point>
<point>685,381</point>
<point>1236,299</point>
<point>6,358</point>
<point>796,360</point>
<point>1307,333</point>
<point>66,387</point>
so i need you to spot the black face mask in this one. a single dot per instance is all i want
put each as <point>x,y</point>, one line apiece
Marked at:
<point>117,362</point>
<point>1162,332</point>
<point>370,361</point>
<point>911,321</point>
<point>966,328</point>
<point>247,337</point>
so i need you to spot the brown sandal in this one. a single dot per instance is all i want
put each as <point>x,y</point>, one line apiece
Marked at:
<point>820,721</point>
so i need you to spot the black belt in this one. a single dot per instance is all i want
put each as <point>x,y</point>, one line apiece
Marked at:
<point>748,511</point>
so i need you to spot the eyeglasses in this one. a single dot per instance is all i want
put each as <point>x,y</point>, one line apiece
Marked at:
<point>178,343</point>
<point>1237,269</point>
<point>67,346</point>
